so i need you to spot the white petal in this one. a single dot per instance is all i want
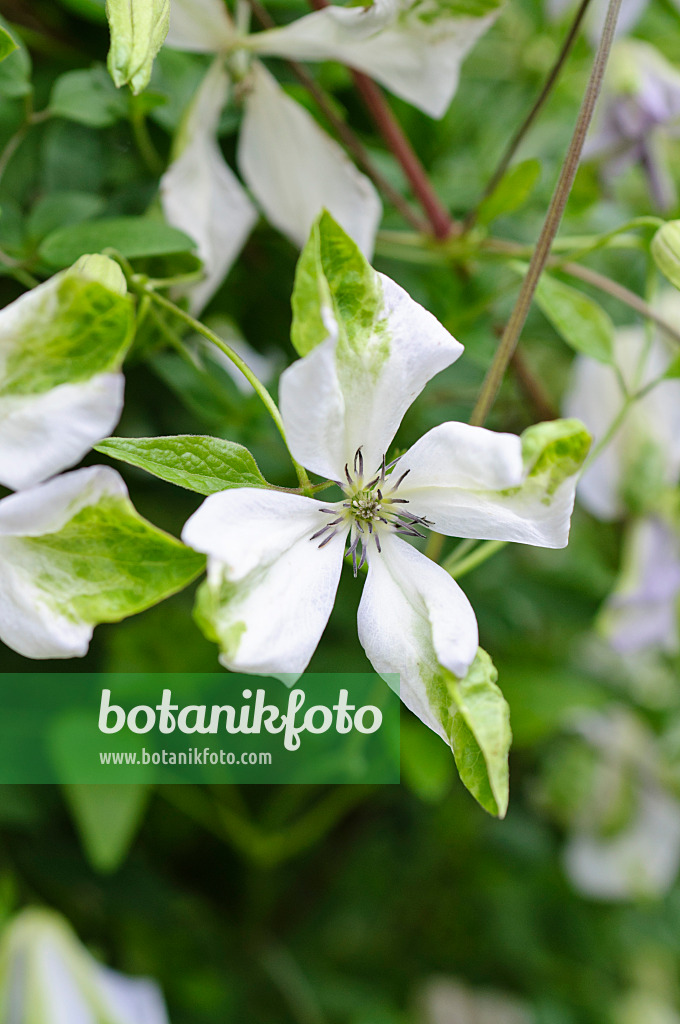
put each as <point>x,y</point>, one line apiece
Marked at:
<point>417,58</point>
<point>200,193</point>
<point>644,610</point>
<point>332,405</point>
<point>643,860</point>
<point>272,586</point>
<point>457,478</point>
<point>200,26</point>
<point>131,1000</point>
<point>415,620</point>
<point>44,433</point>
<point>29,622</point>
<point>295,170</point>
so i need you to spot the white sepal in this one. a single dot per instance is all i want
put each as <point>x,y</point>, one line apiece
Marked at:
<point>336,400</point>
<point>200,193</point>
<point>411,48</point>
<point>270,588</point>
<point>295,170</point>
<point>200,26</point>
<point>415,621</point>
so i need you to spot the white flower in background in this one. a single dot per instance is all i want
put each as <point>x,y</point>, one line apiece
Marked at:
<point>448,1001</point>
<point>291,166</point>
<point>61,388</point>
<point>645,451</point>
<point>644,609</point>
<point>641,856</point>
<point>275,558</point>
<point>48,977</point>
<point>630,14</point>
<point>413,47</point>
<point>634,472</point>
<point>639,111</point>
<point>74,553</point>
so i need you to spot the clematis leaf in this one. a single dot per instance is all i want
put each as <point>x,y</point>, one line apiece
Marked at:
<point>512,192</point>
<point>7,43</point>
<point>88,96</point>
<point>138,28</point>
<point>580,321</point>
<point>107,819</point>
<point>336,290</point>
<point>205,465</point>
<point>74,553</point>
<point>132,237</point>
<point>666,251</point>
<point>481,734</point>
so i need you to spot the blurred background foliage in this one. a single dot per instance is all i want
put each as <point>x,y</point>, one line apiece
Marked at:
<point>305,905</point>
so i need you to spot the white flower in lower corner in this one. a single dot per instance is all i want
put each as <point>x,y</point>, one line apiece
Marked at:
<point>275,558</point>
<point>48,977</point>
<point>449,1001</point>
<point>61,387</point>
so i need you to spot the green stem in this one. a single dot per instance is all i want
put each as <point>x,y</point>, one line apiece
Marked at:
<point>513,330</point>
<point>145,146</point>
<point>458,567</point>
<point>256,384</point>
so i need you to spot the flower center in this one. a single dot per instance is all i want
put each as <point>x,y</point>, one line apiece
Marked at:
<point>370,507</point>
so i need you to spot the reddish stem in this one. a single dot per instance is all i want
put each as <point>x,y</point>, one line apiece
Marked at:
<point>393,134</point>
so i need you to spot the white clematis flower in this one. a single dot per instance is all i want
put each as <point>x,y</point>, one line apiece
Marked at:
<point>648,440</point>
<point>48,977</point>
<point>641,858</point>
<point>291,166</point>
<point>413,47</point>
<point>275,558</point>
<point>61,389</point>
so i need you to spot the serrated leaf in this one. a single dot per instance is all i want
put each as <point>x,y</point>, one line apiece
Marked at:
<point>205,465</point>
<point>481,735</point>
<point>138,29</point>
<point>512,192</point>
<point>108,819</point>
<point>580,321</point>
<point>88,96</point>
<point>133,237</point>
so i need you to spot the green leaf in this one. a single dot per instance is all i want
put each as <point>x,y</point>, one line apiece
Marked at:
<point>133,237</point>
<point>88,96</point>
<point>57,209</point>
<point>512,192</point>
<point>581,322</point>
<point>138,29</point>
<point>481,735</point>
<point>202,464</point>
<point>335,286</point>
<point>108,819</point>
<point>106,563</point>
<point>76,325</point>
<point>15,66</point>
<point>554,451</point>
<point>7,43</point>
<point>666,251</point>
<point>673,369</point>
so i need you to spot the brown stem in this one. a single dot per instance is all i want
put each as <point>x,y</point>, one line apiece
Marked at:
<point>441,223</point>
<point>523,130</point>
<point>350,140</point>
<point>532,388</point>
<point>511,335</point>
